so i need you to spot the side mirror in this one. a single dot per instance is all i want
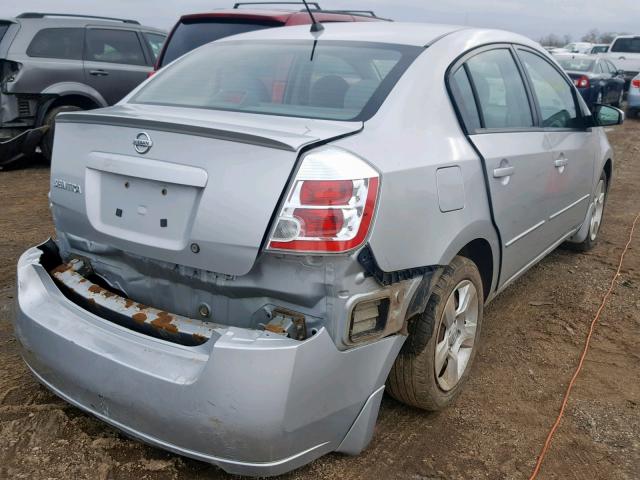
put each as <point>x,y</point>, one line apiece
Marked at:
<point>607,116</point>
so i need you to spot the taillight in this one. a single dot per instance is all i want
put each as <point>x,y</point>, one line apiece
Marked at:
<point>635,83</point>
<point>329,206</point>
<point>582,82</point>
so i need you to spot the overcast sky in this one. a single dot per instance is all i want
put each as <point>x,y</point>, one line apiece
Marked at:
<point>533,18</point>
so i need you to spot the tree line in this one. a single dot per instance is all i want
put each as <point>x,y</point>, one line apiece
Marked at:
<point>592,36</point>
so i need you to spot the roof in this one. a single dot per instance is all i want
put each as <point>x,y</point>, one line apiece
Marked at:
<point>418,34</point>
<point>59,19</point>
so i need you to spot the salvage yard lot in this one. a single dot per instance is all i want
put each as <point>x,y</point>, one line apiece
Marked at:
<point>532,337</point>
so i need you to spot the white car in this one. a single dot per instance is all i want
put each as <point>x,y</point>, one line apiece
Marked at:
<point>625,54</point>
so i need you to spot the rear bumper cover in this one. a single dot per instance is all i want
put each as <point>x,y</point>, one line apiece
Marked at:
<point>249,402</point>
<point>16,148</point>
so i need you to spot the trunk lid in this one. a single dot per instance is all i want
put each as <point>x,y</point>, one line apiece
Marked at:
<point>199,188</point>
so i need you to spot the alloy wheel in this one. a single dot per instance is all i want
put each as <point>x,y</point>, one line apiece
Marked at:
<point>456,335</point>
<point>596,218</point>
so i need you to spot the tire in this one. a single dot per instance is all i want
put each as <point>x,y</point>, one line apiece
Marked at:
<point>413,379</point>
<point>46,144</point>
<point>596,217</point>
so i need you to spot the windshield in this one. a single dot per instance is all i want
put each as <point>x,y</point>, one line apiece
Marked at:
<point>600,49</point>
<point>627,45</point>
<point>191,34</point>
<point>333,80</point>
<point>576,64</point>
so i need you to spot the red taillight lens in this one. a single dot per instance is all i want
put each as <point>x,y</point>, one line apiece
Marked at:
<point>330,204</point>
<point>582,82</point>
<point>321,222</point>
<point>635,83</point>
<point>326,192</point>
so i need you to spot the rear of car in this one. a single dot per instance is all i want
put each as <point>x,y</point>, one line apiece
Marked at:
<point>625,54</point>
<point>597,79</point>
<point>194,30</point>
<point>279,356</point>
<point>633,98</point>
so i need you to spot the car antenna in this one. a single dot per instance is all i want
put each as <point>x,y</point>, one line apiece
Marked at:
<point>315,25</point>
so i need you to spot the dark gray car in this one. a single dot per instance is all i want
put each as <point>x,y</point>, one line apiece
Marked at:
<point>52,63</point>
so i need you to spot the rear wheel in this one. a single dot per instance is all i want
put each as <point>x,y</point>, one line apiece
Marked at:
<point>435,361</point>
<point>50,120</point>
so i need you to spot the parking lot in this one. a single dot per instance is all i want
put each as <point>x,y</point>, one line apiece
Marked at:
<point>531,341</point>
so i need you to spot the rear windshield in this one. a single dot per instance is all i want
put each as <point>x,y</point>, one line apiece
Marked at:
<point>627,45</point>
<point>328,80</point>
<point>191,34</point>
<point>576,64</point>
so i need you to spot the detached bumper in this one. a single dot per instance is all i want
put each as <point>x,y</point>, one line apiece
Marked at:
<point>18,147</point>
<point>248,401</point>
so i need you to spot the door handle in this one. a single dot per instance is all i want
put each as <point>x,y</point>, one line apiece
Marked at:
<point>561,162</point>
<point>98,73</point>
<point>502,172</point>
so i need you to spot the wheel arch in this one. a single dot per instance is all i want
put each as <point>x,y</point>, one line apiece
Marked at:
<point>479,252</point>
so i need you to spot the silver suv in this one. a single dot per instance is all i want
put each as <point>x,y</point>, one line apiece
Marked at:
<point>278,226</point>
<point>53,63</point>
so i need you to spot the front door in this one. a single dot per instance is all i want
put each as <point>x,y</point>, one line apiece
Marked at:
<point>570,182</point>
<point>114,62</point>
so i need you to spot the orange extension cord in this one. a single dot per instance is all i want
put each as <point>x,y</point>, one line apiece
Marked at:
<point>547,442</point>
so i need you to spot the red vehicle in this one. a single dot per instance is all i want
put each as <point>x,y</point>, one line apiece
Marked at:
<point>195,30</point>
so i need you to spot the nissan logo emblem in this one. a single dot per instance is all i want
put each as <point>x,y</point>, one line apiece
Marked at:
<point>142,143</point>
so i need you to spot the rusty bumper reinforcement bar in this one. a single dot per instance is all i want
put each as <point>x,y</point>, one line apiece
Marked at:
<point>127,312</point>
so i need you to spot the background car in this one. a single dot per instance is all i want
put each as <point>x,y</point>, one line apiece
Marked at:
<point>574,47</point>
<point>597,79</point>
<point>633,99</point>
<point>599,48</point>
<point>625,54</point>
<point>52,63</point>
<point>194,30</point>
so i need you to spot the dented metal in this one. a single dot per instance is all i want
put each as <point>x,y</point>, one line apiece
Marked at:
<point>165,324</point>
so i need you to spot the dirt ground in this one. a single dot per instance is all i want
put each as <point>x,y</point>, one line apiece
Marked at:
<point>532,338</point>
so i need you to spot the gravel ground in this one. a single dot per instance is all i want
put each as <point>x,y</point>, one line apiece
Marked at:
<point>532,338</point>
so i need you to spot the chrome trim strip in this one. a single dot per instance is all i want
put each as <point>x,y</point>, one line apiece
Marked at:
<point>520,272</point>
<point>568,207</point>
<point>524,234</point>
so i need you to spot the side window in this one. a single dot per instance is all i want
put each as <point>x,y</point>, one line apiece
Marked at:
<point>500,89</point>
<point>600,68</point>
<point>114,46</point>
<point>612,68</point>
<point>61,43</point>
<point>463,96</point>
<point>553,93</point>
<point>155,42</point>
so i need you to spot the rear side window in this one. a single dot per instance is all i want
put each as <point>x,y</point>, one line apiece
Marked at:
<point>553,92</point>
<point>191,34</point>
<point>114,46</point>
<point>61,43</point>
<point>155,42</point>
<point>627,45</point>
<point>500,89</point>
<point>463,96</point>
<point>3,29</point>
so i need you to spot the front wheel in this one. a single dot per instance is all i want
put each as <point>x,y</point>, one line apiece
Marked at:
<point>597,215</point>
<point>435,360</point>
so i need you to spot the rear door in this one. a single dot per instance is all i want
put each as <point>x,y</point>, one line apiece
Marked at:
<point>491,94</point>
<point>114,61</point>
<point>570,181</point>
